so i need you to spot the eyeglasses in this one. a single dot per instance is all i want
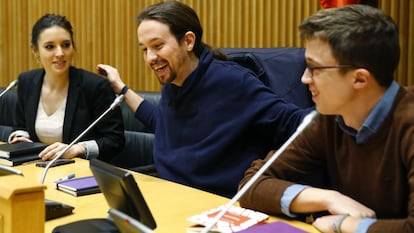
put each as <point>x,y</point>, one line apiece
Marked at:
<point>312,68</point>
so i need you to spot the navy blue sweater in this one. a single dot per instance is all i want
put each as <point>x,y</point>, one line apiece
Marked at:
<point>208,131</point>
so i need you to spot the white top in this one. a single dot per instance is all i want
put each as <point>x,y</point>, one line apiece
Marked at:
<point>49,129</point>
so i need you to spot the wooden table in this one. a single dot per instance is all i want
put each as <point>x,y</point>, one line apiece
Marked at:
<point>170,203</point>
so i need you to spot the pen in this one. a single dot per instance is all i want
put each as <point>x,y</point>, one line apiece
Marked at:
<point>70,176</point>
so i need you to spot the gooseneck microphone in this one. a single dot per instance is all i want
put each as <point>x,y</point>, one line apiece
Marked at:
<point>118,100</point>
<point>307,120</point>
<point>10,86</point>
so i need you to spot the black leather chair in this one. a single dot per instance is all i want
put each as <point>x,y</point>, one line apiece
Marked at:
<point>137,154</point>
<point>279,68</point>
<point>8,104</point>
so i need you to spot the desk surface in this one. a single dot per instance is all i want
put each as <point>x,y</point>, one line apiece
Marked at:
<point>170,203</point>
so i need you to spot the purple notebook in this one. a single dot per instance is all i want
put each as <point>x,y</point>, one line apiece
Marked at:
<point>279,227</point>
<point>78,184</point>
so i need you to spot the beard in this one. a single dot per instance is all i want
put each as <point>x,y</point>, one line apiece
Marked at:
<point>169,78</point>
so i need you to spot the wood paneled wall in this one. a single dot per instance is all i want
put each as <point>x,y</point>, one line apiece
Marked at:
<point>105,31</point>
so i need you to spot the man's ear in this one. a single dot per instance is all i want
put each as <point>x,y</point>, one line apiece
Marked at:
<point>362,78</point>
<point>189,40</point>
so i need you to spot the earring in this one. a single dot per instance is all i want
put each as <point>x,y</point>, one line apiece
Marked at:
<point>37,59</point>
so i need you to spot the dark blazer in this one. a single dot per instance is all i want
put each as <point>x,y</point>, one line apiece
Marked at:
<point>89,95</point>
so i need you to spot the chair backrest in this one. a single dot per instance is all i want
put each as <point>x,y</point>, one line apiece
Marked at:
<point>8,104</point>
<point>130,122</point>
<point>279,68</point>
<point>137,152</point>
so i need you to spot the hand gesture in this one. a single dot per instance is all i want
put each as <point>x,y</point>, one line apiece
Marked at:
<point>113,76</point>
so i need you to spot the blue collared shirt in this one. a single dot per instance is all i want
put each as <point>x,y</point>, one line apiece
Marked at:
<point>374,119</point>
<point>369,128</point>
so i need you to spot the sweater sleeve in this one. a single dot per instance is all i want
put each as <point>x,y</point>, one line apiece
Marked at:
<point>146,114</point>
<point>294,165</point>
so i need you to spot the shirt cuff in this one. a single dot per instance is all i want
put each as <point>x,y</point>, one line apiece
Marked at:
<point>364,224</point>
<point>92,149</point>
<point>18,133</point>
<point>288,195</point>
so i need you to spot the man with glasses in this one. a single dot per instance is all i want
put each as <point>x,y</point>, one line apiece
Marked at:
<point>363,141</point>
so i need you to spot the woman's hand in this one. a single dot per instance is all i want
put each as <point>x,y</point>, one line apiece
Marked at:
<point>20,139</point>
<point>56,148</point>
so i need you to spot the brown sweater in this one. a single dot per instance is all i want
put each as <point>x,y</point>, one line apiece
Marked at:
<point>378,174</point>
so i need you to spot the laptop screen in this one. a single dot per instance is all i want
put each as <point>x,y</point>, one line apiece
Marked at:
<point>121,191</point>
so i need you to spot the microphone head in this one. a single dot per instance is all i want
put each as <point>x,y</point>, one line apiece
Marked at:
<point>10,86</point>
<point>311,116</point>
<point>308,119</point>
<point>118,100</point>
<point>14,83</point>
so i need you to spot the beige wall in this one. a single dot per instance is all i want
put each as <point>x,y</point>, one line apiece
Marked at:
<point>105,31</point>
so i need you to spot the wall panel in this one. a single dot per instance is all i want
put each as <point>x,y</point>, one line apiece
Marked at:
<point>105,31</point>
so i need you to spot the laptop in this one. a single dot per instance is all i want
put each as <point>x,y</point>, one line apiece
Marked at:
<point>121,191</point>
<point>128,211</point>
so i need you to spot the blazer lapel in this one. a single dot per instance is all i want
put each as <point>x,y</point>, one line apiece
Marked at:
<point>33,102</point>
<point>71,104</point>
